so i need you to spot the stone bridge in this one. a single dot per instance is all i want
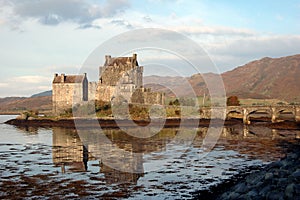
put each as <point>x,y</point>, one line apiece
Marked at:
<point>274,111</point>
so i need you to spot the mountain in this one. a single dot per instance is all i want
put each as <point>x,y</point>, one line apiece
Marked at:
<point>16,104</point>
<point>42,94</point>
<point>267,78</point>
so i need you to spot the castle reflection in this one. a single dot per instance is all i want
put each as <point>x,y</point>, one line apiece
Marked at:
<point>121,155</point>
<point>68,150</point>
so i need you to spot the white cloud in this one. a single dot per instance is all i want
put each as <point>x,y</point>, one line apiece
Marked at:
<point>53,12</point>
<point>24,85</point>
<point>212,30</point>
<point>29,79</point>
<point>261,46</point>
<point>3,85</point>
<point>235,52</point>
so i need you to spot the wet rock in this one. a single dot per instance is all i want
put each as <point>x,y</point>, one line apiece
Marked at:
<point>289,191</point>
<point>297,189</point>
<point>277,181</point>
<point>292,156</point>
<point>274,195</point>
<point>233,195</point>
<point>265,190</point>
<point>241,188</point>
<point>276,164</point>
<point>252,180</point>
<point>296,174</point>
<point>282,181</point>
<point>269,176</point>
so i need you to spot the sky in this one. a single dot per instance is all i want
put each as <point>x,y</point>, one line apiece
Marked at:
<point>41,37</point>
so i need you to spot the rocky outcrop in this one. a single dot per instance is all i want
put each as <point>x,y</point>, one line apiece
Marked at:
<point>278,180</point>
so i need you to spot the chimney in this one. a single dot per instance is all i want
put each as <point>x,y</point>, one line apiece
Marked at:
<point>107,59</point>
<point>134,56</point>
<point>62,78</point>
<point>133,61</point>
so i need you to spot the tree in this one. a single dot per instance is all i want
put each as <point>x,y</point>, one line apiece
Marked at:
<point>233,101</point>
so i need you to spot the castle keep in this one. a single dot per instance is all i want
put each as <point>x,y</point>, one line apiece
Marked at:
<point>120,80</point>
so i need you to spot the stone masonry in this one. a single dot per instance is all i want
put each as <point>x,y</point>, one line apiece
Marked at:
<point>68,90</point>
<point>120,80</point>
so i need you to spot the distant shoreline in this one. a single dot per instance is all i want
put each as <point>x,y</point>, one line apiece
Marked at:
<point>10,113</point>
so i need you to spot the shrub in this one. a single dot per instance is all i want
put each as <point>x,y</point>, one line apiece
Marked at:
<point>233,101</point>
<point>174,103</point>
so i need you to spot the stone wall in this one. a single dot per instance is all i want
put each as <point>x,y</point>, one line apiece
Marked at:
<point>63,95</point>
<point>145,96</point>
<point>66,93</point>
<point>114,75</point>
<point>92,88</point>
<point>105,92</point>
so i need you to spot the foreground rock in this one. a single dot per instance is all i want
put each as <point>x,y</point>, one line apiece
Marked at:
<point>278,180</point>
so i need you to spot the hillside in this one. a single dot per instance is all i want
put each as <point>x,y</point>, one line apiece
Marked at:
<point>16,104</point>
<point>181,86</point>
<point>267,78</point>
<point>42,94</point>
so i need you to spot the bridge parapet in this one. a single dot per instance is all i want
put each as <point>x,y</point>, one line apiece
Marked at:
<point>273,110</point>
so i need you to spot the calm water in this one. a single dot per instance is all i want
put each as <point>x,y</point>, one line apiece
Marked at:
<point>172,164</point>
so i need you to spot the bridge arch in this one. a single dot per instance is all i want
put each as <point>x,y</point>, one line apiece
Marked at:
<point>231,113</point>
<point>273,112</point>
<point>280,112</point>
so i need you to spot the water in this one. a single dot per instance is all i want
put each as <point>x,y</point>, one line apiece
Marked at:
<point>172,164</point>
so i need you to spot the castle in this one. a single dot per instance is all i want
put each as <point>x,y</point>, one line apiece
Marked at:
<point>120,80</point>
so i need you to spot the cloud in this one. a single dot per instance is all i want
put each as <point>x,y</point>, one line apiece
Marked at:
<point>53,12</point>
<point>121,22</point>
<point>213,30</point>
<point>87,26</point>
<point>29,79</point>
<point>235,52</point>
<point>264,45</point>
<point>147,18</point>
<point>24,85</point>
<point>3,85</point>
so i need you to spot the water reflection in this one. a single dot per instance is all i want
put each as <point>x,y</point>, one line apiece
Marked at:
<point>68,150</point>
<point>80,160</point>
<point>28,129</point>
<point>72,152</point>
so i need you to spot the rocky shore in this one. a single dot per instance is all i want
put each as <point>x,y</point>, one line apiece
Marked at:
<point>111,123</point>
<point>168,123</point>
<point>278,180</point>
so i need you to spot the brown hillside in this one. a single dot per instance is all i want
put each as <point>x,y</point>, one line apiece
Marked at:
<point>276,78</point>
<point>22,103</point>
<point>269,77</point>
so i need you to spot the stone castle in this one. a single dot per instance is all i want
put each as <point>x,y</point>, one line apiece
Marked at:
<point>120,80</point>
